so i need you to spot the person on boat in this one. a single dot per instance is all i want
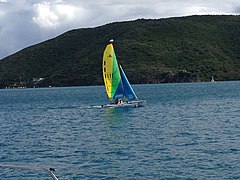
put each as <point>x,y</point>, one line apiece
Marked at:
<point>118,101</point>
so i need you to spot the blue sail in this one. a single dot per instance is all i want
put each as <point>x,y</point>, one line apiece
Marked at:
<point>119,92</point>
<point>128,90</point>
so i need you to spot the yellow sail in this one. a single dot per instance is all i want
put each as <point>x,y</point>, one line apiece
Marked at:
<point>111,73</point>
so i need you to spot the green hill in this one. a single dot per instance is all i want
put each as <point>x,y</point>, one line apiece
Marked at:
<point>183,49</point>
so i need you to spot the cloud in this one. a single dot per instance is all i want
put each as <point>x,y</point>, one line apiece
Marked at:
<point>27,22</point>
<point>52,15</point>
<point>237,10</point>
<point>45,17</point>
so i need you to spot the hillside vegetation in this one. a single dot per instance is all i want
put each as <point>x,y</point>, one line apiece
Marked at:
<point>183,49</point>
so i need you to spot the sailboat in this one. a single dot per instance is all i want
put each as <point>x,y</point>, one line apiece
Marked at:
<point>118,88</point>
<point>212,80</point>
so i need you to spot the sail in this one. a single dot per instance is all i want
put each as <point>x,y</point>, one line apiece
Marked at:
<point>128,90</point>
<point>111,74</point>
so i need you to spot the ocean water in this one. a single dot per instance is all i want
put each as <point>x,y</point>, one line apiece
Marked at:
<point>186,131</point>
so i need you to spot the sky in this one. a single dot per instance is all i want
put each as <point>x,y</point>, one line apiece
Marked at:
<point>28,22</point>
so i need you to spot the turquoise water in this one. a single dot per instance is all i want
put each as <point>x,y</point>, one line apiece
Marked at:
<point>186,131</point>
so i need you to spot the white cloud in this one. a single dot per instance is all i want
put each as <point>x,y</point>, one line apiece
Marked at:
<point>66,11</point>
<point>52,15</point>
<point>45,17</point>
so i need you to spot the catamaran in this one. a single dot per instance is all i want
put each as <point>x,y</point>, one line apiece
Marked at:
<point>118,88</point>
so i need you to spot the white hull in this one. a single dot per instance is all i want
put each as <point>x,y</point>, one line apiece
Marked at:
<point>139,103</point>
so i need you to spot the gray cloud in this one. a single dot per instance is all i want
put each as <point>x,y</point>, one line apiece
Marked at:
<point>237,10</point>
<point>27,22</point>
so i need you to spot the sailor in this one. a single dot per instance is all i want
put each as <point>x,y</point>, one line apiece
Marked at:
<point>120,102</point>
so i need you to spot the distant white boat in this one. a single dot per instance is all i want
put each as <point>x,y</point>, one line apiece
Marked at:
<point>212,80</point>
